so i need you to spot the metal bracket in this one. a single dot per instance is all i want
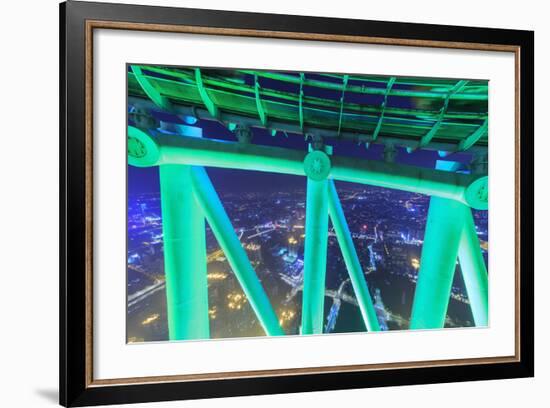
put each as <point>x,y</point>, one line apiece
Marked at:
<point>384,103</point>
<point>301,102</point>
<point>471,140</point>
<point>208,103</point>
<point>459,86</point>
<point>346,78</point>
<point>261,112</point>
<point>243,133</point>
<point>151,92</point>
<point>390,152</point>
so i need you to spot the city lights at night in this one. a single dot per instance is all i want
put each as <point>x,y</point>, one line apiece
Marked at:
<point>264,204</point>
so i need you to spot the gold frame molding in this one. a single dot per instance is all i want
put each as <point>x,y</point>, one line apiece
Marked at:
<point>115,25</point>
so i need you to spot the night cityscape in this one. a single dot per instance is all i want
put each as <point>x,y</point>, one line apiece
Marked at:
<point>387,227</point>
<point>267,210</point>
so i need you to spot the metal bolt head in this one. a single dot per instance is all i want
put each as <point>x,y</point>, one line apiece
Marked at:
<point>317,165</point>
<point>136,148</point>
<point>143,151</point>
<point>477,193</point>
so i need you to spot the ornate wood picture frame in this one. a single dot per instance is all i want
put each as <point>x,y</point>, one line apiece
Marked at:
<point>79,21</point>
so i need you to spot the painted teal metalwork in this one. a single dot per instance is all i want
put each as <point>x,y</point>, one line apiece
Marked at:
<point>188,196</point>
<point>184,256</point>
<point>208,102</point>
<point>450,232</point>
<point>426,139</point>
<point>442,237</point>
<point>220,224</point>
<point>449,226</point>
<point>391,81</point>
<point>471,140</point>
<point>474,271</point>
<point>215,153</point>
<point>351,259</point>
<point>259,106</point>
<point>157,98</point>
<point>340,116</point>
<point>315,256</point>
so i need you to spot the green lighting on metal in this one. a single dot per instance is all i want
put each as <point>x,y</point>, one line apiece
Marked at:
<point>188,195</point>
<point>231,97</point>
<point>220,224</point>
<point>351,259</point>
<point>442,237</point>
<point>158,99</point>
<point>206,100</point>
<point>449,225</point>
<point>384,104</point>
<point>317,165</point>
<point>341,115</point>
<point>474,271</point>
<point>471,190</point>
<point>315,256</point>
<point>471,140</point>
<point>426,139</point>
<point>301,102</point>
<point>259,106</point>
<point>184,256</point>
<point>374,91</point>
<point>450,232</point>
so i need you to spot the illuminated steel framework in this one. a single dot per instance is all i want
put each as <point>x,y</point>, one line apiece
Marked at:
<point>448,116</point>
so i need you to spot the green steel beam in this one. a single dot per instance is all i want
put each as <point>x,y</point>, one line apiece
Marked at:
<point>460,187</point>
<point>370,90</point>
<point>468,189</point>
<point>210,82</point>
<point>220,224</point>
<point>444,226</point>
<point>216,83</point>
<point>315,256</point>
<point>415,81</point>
<point>301,102</point>
<point>158,99</point>
<point>452,224</point>
<point>384,104</point>
<point>427,138</point>
<point>351,259</point>
<point>474,271</point>
<point>355,135</point>
<point>259,106</point>
<point>341,114</point>
<point>184,256</point>
<point>206,100</point>
<point>471,140</point>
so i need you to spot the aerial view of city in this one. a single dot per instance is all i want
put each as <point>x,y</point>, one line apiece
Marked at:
<point>267,211</point>
<point>387,227</point>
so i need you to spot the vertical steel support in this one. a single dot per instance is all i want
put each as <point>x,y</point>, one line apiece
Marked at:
<point>315,256</point>
<point>218,220</point>
<point>351,259</point>
<point>442,237</point>
<point>474,270</point>
<point>184,255</point>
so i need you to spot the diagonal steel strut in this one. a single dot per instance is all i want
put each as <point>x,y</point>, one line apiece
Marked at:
<point>220,224</point>
<point>351,259</point>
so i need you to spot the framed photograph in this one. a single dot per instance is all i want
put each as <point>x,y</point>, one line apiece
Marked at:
<point>256,204</point>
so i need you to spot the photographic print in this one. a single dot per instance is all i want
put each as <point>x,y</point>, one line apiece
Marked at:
<point>266,203</point>
<point>278,210</point>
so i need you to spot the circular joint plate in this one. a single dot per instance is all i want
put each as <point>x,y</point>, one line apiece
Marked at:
<point>317,165</point>
<point>477,193</point>
<point>142,149</point>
